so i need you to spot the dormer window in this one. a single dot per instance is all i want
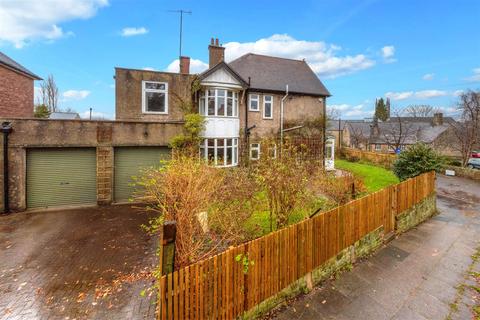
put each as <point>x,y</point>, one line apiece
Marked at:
<point>219,103</point>
<point>154,97</point>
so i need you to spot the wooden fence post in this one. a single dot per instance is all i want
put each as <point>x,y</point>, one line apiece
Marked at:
<point>168,247</point>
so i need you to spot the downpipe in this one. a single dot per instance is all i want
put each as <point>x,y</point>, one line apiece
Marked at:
<point>6,130</point>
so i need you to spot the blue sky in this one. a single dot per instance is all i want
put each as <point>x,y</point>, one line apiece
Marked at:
<point>415,52</point>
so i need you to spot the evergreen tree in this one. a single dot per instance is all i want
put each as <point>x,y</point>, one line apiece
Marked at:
<point>41,111</point>
<point>381,110</point>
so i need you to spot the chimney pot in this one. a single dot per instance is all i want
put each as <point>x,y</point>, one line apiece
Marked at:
<point>185,65</point>
<point>216,42</point>
<point>211,41</point>
<point>438,119</point>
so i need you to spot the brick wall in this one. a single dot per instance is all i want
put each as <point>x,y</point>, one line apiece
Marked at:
<point>104,175</point>
<point>16,94</point>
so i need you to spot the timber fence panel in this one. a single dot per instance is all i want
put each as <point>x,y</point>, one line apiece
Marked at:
<point>228,284</point>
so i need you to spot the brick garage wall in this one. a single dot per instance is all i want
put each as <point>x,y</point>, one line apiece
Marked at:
<point>103,135</point>
<point>16,94</point>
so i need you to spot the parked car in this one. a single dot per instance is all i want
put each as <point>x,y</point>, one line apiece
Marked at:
<point>475,154</point>
<point>473,163</point>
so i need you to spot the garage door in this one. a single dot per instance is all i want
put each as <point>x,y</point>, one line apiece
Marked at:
<point>61,177</point>
<point>129,161</point>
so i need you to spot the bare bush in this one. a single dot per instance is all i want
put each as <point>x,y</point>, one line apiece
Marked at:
<point>339,189</point>
<point>284,178</point>
<point>180,191</point>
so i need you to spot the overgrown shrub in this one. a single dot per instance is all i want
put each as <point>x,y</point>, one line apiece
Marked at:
<point>284,178</point>
<point>339,189</point>
<point>415,160</point>
<point>180,191</point>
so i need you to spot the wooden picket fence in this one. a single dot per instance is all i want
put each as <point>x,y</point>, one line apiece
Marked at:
<point>384,159</point>
<point>221,287</point>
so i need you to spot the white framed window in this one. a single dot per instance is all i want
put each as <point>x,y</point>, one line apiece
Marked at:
<point>378,147</point>
<point>267,107</point>
<point>254,151</point>
<point>221,152</point>
<point>217,102</point>
<point>154,97</point>
<point>253,102</point>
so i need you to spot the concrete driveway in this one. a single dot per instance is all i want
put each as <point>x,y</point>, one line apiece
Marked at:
<point>76,264</point>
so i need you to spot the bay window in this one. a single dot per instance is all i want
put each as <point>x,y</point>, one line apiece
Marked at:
<point>221,152</point>
<point>268,107</point>
<point>218,102</point>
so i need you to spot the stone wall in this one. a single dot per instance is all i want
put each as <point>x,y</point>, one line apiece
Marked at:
<point>464,172</point>
<point>16,94</point>
<point>103,135</point>
<point>417,214</point>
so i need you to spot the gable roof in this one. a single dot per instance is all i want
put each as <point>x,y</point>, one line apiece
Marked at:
<point>273,74</point>
<point>225,66</point>
<point>333,125</point>
<point>10,63</point>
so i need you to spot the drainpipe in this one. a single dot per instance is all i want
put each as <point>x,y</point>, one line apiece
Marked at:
<point>281,115</point>
<point>6,130</point>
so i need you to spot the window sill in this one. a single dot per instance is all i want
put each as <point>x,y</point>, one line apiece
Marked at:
<point>251,110</point>
<point>152,112</point>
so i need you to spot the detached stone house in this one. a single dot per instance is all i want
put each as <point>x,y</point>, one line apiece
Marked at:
<point>16,89</point>
<point>243,100</point>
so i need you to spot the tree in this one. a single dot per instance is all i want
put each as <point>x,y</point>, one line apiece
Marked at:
<point>49,94</point>
<point>41,111</point>
<point>358,137</point>
<point>381,110</point>
<point>421,110</point>
<point>417,159</point>
<point>467,129</point>
<point>397,131</point>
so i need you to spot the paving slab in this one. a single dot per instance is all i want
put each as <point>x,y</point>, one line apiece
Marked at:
<point>416,275</point>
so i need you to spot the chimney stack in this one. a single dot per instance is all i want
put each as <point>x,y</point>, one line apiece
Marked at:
<point>216,53</point>
<point>185,65</point>
<point>437,119</point>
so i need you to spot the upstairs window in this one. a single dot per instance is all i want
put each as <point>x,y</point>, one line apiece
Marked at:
<point>268,107</point>
<point>254,102</point>
<point>155,97</point>
<point>219,103</point>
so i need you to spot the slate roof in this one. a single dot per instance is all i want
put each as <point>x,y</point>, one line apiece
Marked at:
<point>64,115</point>
<point>332,125</point>
<point>268,73</point>
<point>7,61</point>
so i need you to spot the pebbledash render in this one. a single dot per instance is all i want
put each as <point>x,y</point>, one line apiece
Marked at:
<point>241,100</point>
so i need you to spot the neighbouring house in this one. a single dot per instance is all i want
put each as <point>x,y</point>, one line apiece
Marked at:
<point>336,129</point>
<point>64,115</point>
<point>398,133</point>
<point>16,89</point>
<point>244,100</point>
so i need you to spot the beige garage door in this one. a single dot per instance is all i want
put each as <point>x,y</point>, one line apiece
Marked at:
<point>129,161</point>
<point>61,177</point>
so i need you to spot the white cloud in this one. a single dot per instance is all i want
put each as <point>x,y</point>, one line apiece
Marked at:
<point>323,58</point>
<point>149,69</point>
<point>428,76</point>
<point>129,32</point>
<point>75,94</point>
<point>427,94</point>
<point>458,93</point>
<point>399,95</point>
<point>387,53</point>
<point>424,94</point>
<point>475,77</point>
<point>351,111</point>
<point>25,21</point>
<point>196,66</point>
<point>96,115</point>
